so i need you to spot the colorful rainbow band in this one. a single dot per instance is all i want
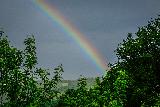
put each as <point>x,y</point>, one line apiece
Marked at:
<point>74,33</point>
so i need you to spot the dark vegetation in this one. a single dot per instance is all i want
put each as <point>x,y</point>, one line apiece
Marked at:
<point>133,81</point>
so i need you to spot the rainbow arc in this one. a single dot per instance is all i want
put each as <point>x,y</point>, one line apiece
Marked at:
<point>81,40</point>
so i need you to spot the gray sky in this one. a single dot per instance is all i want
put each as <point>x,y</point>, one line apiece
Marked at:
<point>104,22</point>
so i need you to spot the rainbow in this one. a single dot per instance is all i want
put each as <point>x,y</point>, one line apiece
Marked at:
<point>74,33</point>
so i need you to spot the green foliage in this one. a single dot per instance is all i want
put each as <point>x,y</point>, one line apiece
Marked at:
<point>102,94</point>
<point>140,57</point>
<point>19,77</point>
<point>75,97</point>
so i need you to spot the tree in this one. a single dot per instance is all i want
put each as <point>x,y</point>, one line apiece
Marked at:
<point>19,76</point>
<point>75,97</point>
<point>140,57</point>
<point>10,62</point>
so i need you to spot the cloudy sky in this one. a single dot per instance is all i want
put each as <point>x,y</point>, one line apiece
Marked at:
<point>104,22</point>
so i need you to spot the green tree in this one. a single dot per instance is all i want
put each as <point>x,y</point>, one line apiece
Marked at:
<point>19,76</point>
<point>76,97</point>
<point>10,62</point>
<point>140,57</point>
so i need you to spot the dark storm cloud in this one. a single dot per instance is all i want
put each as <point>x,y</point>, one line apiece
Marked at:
<point>104,22</point>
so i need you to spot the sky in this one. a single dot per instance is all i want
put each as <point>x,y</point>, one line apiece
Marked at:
<point>105,23</point>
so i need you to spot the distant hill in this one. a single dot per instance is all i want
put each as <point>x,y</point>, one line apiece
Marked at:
<point>72,84</point>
